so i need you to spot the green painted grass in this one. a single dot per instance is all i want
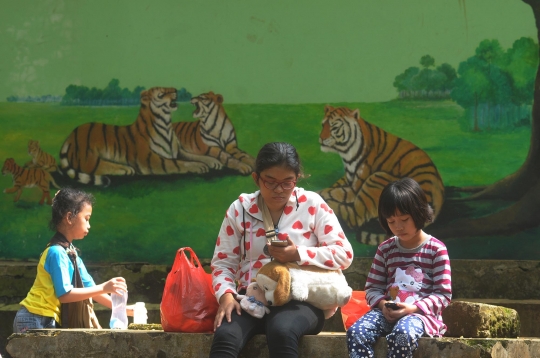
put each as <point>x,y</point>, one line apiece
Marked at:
<point>148,219</point>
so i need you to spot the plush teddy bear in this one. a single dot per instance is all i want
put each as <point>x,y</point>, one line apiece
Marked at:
<point>254,302</point>
<point>324,289</point>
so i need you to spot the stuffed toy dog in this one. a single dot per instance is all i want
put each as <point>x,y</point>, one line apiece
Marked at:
<point>324,289</point>
<point>254,302</point>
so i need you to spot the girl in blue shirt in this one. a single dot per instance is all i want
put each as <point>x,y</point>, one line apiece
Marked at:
<point>71,211</point>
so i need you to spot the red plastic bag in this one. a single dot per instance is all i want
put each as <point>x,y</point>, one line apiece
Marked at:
<point>354,309</point>
<point>188,303</point>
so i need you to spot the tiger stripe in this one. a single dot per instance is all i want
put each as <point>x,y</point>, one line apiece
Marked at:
<point>212,135</point>
<point>372,158</point>
<point>28,178</point>
<point>149,146</point>
<point>40,159</point>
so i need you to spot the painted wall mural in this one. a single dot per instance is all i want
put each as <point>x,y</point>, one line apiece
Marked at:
<point>166,142</point>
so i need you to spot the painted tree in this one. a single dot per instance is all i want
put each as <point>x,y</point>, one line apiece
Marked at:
<point>520,190</point>
<point>426,82</point>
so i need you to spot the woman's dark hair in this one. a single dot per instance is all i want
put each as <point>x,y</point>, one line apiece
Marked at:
<point>68,200</point>
<point>407,197</point>
<point>278,154</point>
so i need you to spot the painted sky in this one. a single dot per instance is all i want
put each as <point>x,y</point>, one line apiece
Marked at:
<point>254,51</point>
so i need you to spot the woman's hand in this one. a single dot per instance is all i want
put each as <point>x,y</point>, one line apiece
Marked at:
<point>284,254</point>
<point>392,315</point>
<point>227,304</point>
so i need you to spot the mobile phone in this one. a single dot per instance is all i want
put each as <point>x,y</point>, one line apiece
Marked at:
<point>277,242</point>
<point>392,305</point>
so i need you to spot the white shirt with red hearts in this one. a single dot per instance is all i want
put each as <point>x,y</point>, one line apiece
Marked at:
<point>307,220</point>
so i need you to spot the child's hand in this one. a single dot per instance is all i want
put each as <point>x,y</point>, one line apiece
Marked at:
<point>130,310</point>
<point>115,285</point>
<point>403,309</point>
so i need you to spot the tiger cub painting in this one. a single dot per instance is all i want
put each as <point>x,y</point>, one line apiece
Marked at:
<point>148,146</point>
<point>372,158</point>
<point>213,134</point>
<point>28,178</point>
<point>40,159</point>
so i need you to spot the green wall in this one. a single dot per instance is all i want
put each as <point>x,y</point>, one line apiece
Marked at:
<point>250,51</point>
<point>276,64</point>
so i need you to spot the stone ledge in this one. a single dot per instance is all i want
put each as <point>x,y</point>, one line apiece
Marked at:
<point>130,343</point>
<point>528,310</point>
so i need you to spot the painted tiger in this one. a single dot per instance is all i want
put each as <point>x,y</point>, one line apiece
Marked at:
<point>148,146</point>
<point>372,158</point>
<point>213,134</point>
<point>40,159</point>
<point>28,178</point>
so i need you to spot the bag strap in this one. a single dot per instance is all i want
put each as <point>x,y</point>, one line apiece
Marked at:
<point>181,253</point>
<point>267,220</point>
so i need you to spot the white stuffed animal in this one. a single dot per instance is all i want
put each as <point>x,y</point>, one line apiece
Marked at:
<point>254,302</point>
<point>324,289</point>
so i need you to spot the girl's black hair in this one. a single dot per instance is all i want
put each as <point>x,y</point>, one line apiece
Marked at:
<point>68,200</point>
<point>407,197</point>
<point>278,154</point>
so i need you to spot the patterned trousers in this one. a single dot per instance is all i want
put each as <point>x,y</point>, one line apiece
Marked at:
<point>402,337</point>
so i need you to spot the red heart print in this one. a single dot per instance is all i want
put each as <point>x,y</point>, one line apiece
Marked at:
<point>236,250</point>
<point>298,225</point>
<point>229,291</point>
<point>307,235</point>
<point>257,265</point>
<point>305,264</point>
<point>311,254</point>
<point>230,230</point>
<point>261,257</point>
<point>232,270</point>
<point>260,232</point>
<point>228,279</point>
<point>248,245</point>
<point>216,288</point>
<point>218,242</point>
<point>217,273</point>
<point>329,263</point>
<point>283,236</point>
<point>222,255</point>
<point>248,224</point>
<point>312,210</point>
<point>241,199</point>
<point>302,199</point>
<point>339,243</point>
<point>349,254</point>
<point>324,207</point>
<point>254,209</point>
<point>328,229</point>
<point>341,235</point>
<point>287,210</point>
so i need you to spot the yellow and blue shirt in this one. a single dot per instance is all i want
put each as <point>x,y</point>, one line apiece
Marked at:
<point>53,279</point>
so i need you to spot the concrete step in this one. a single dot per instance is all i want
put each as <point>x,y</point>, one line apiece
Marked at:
<point>129,343</point>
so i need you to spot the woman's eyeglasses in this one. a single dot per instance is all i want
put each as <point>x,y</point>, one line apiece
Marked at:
<point>285,185</point>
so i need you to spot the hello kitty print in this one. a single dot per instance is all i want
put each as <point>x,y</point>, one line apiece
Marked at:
<point>407,285</point>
